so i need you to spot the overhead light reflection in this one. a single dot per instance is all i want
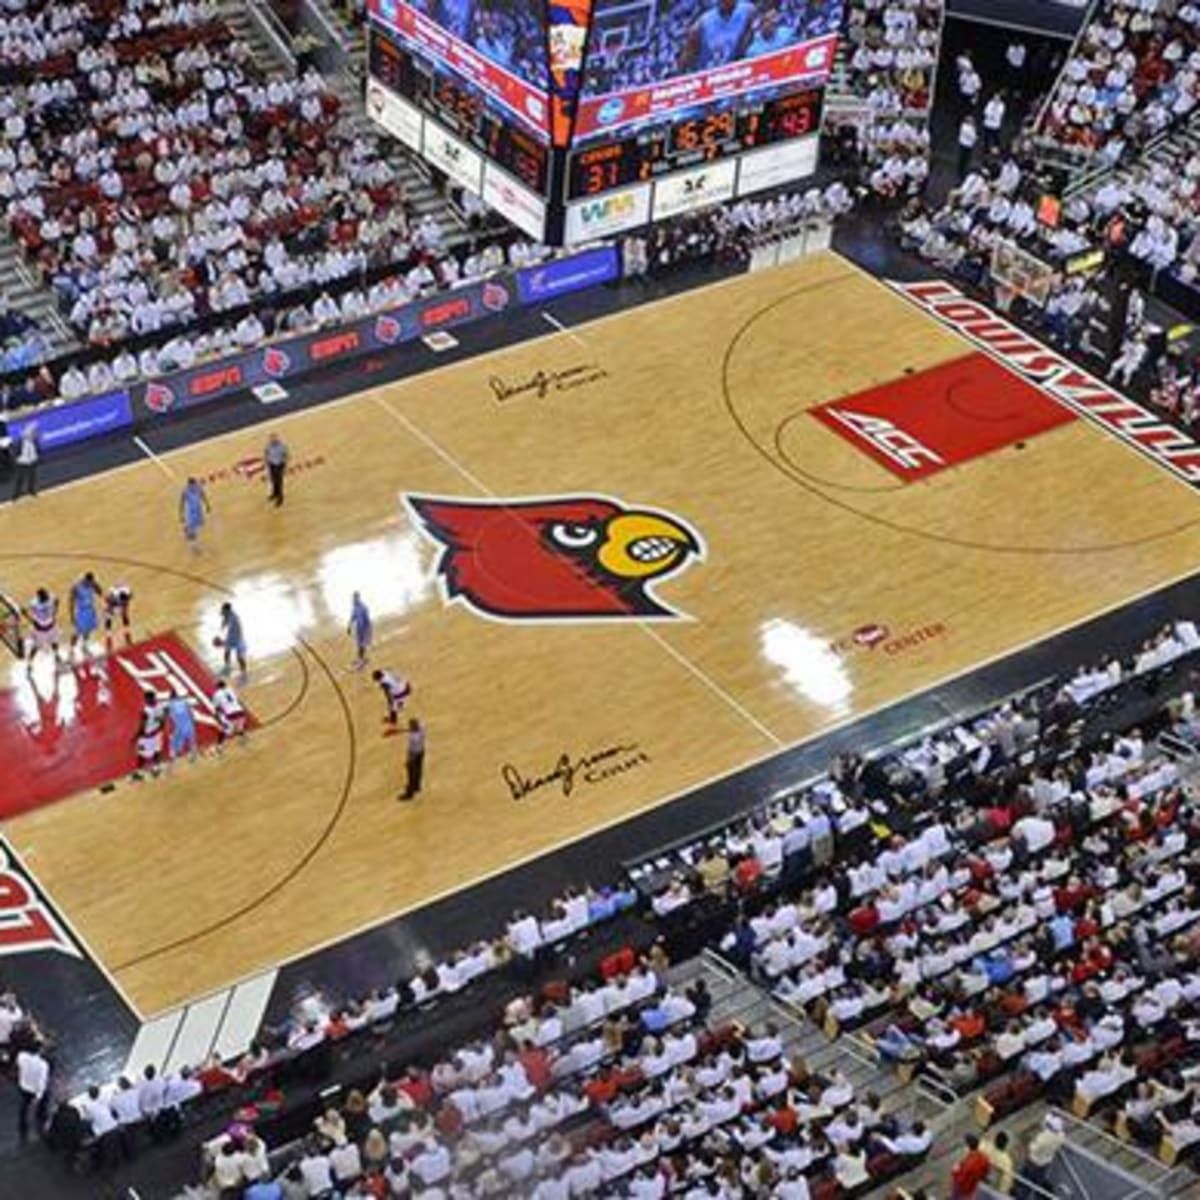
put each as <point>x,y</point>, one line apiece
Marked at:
<point>393,574</point>
<point>808,664</point>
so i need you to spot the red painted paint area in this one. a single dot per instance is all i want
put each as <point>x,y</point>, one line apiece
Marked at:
<point>923,423</point>
<point>64,734</point>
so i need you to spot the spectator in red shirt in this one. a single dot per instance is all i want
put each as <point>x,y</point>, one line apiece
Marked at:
<point>970,1171</point>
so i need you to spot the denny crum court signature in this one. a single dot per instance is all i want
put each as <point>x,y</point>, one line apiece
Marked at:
<point>570,771</point>
<point>541,383</point>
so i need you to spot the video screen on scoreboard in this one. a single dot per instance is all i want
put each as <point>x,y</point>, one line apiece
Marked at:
<point>495,46</point>
<point>650,59</point>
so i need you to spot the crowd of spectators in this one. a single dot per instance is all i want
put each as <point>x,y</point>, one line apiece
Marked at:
<point>156,174</point>
<point>623,1086</point>
<point>890,52</point>
<point>1134,73</point>
<point>722,234</point>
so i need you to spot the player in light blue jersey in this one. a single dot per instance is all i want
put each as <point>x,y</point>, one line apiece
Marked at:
<point>719,35</point>
<point>771,34</point>
<point>183,728</point>
<point>193,510</point>
<point>361,629</point>
<point>84,616</point>
<point>233,638</point>
<point>456,16</point>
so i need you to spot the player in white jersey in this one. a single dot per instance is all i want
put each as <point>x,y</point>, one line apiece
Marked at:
<point>152,729</point>
<point>231,716</point>
<point>395,691</point>
<point>42,613</point>
<point>116,606</point>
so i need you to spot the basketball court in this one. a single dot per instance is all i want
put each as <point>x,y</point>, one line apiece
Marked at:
<point>614,562</point>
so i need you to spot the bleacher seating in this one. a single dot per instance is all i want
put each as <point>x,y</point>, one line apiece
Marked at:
<point>1134,72</point>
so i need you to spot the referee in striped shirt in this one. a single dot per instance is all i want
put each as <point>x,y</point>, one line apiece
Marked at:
<point>275,455</point>
<point>414,759</point>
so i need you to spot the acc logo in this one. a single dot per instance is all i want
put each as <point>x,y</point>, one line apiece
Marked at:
<point>611,110</point>
<point>556,558</point>
<point>27,923</point>
<point>159,398</point>
<point>535,108</point>
<point>815,57</point>
<point>276,362</point>
<point>388,330</point>
<point>494,297</point>
<point>889,439</point>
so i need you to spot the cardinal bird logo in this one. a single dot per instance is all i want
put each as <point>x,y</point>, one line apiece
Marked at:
<point>560,558</point>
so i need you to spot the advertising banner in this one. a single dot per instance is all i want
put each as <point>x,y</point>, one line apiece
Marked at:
<point>513,201</point>
<point>535,285</point>
<point>776,165</point>
<point>460,163</point>
<point>298,355</point>
<point>602,216</point>
<point>688,191</point>
<point>401,119</point>
<point>78,420</point>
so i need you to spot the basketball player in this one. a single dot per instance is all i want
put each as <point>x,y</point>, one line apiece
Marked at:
<point>149,740</point>
<point>719,35</point>
<point>116,604</point>
<point>84,593</point>
<point>193,509</point>
<point>454,15</point>
<point>233,638</point>
<point>43,618</point>
<point>362,630</point>
<point>771,33</point>
<point>231,716</point>
<point>395,692</point>
<point>183,728</point>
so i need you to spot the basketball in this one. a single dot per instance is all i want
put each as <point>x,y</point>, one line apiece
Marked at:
<point>219,642</point>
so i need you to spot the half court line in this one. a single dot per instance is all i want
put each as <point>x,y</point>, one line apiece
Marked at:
<point>713,686</point>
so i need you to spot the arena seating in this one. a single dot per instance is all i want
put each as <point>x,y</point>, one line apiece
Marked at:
<point>1135,71</point>
<point>888,62</point>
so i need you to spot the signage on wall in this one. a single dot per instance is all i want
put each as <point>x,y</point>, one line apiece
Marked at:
<point>776,165</point>
<point>401,119</point>
<point>513,201</point>
<point>692,190</point>
<point>453,157</point>
<point>608,214</point>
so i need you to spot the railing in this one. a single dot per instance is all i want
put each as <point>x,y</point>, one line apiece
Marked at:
<point>1075,44</point>
<point>1149,1180</point>
<point>273,29</point>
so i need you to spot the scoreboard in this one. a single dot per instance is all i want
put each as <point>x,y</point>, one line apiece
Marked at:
<point>569,167</point>
<point>643,157</point>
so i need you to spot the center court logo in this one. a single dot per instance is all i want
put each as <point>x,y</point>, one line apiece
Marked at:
<point>561,558</point>
<point>876,636</point>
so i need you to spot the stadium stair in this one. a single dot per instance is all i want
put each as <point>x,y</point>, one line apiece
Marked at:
<point>20,287</point>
